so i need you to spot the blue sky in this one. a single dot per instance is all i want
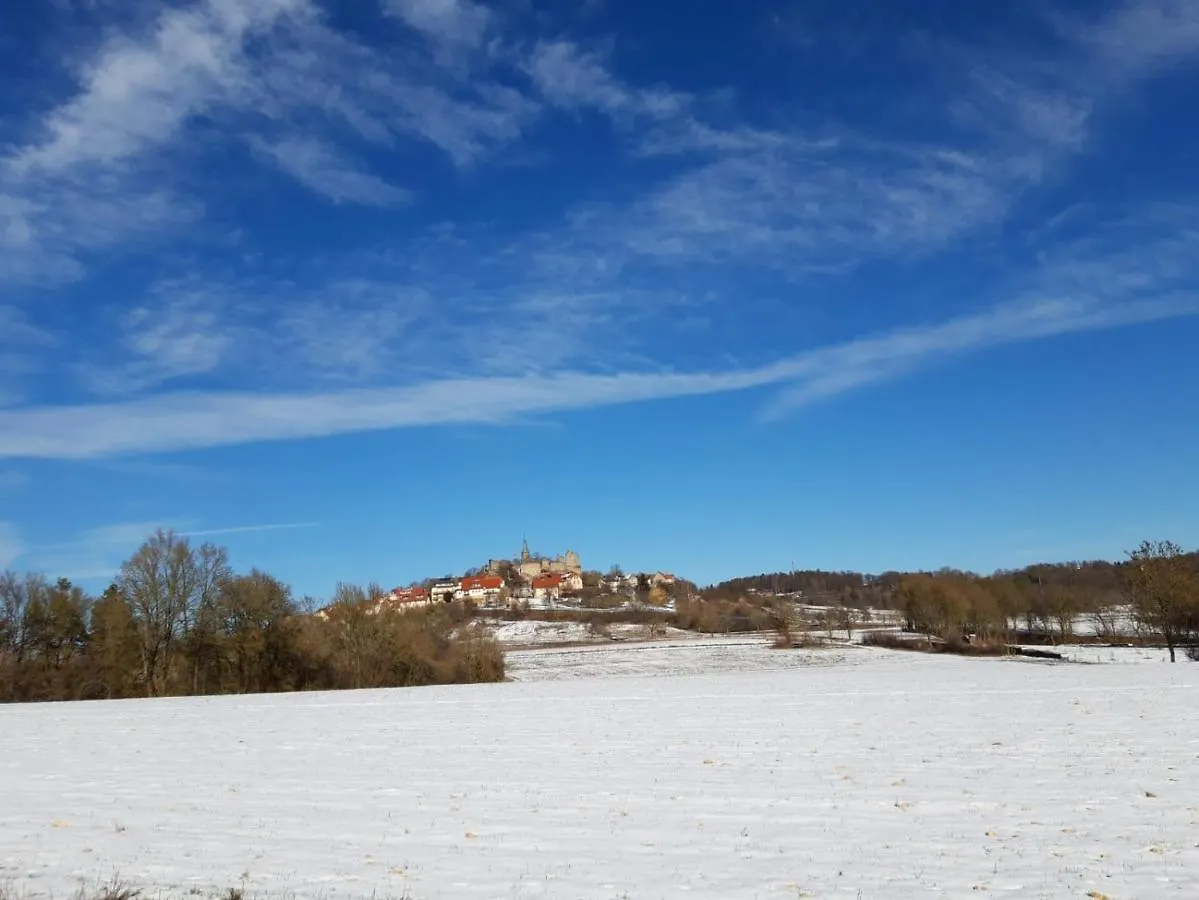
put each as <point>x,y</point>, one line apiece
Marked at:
<point>371,290</point>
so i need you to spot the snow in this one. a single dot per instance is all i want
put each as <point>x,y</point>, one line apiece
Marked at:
<point>708,769</point>
<point>1122,621</point>
<point>699,656</point>
<point>1092,653</point>
<point>533,632</point>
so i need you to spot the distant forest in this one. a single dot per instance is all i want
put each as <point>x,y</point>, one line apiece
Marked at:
<point>1093,584</point>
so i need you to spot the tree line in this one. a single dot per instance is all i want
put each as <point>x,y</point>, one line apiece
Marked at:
<point>1152,595</point>
<point>1095,583</point>
<point>1154,592</point>
<point>178,620</point>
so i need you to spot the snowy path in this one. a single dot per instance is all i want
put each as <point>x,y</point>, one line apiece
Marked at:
<point>888,775</point>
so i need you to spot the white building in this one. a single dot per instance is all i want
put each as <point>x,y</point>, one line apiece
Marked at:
<point>481,589</point>
<point>443,591</point>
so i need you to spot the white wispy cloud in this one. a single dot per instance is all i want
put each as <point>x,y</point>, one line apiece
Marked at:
<point>92,555</point>
<point>465,129</point>
<point>277,332</point>
<point>249,529</point>
<point>825,200</point>
<point>177,331</point>
<point>96,554</point>
<point>175,339</point>
<point>485,306</point>
<point>104,169</point>
<point>121,534</point>
<point>656,120</point>
<point>101,171</point>
<point>129,535</point>
<point>466,111</point>
<point>448,21</point>
<point>809,208</point>
<point>51,227</point>
<point>1029,114</point>
<point>321,168</point>
<point>196,420</point>
<point>573,78</point>
<point>1135,268</point>
<point>686,134</point>
<point>76,186</point>
<point>138,94</point>
<point>82,183</point>
<point>1140,36</point>
<point>350,330</point>
<point>870,360</point>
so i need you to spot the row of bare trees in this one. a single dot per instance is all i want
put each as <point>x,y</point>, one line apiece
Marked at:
<point>1157,597</point>
<point>178,620</point>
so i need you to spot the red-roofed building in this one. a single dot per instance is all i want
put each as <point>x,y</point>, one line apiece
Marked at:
<point>483,587</point>
<point>547,587</point>
<point>554,584</point>
<point>405,598</point>
<point>409,595</point>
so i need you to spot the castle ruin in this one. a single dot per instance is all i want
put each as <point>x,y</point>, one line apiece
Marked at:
<point>529,566</point>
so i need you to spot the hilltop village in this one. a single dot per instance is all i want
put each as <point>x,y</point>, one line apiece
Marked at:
<point>531,581</point>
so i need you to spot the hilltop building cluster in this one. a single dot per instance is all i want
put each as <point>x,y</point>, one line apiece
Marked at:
<point>527,578</point>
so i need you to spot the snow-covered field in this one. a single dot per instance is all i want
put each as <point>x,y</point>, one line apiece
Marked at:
<point>713,769</point>
<point>538,633</point>
<point>1091,653</point>
<point>532,632</point>
<point>671,658</point>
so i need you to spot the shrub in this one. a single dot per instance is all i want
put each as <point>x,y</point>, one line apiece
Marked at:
<point>476,657</point>
<point>358,648</point>
<point>925,644</point>
<point>891,641</point>
<point>722,616</point>
<point>974,648</point>
<point>787,627</point>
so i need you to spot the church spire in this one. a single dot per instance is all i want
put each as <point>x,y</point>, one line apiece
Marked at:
<point>524,551</point>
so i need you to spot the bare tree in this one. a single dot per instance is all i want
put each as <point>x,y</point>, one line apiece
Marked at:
<point>202,618</point>
<point>1062,610</point>
<point>58,627</point>
<point>787,624</point>
<point>165,583</point>
<point>1164,590</point>
<point>18,594</point>
<point>1105,619</point>
<point>255,609</point>
<point>843,618</point>
<point>113,646</point>
<point>22,614</point>
<point>350,613</point>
